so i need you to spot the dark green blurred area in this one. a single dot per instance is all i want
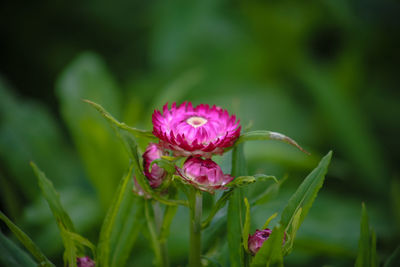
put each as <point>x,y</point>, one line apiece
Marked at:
<point>325,73</point>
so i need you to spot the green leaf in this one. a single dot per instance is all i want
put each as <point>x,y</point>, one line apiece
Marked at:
<point>169,214</point>
<point>246,180</point>
<point>30,131</point>
<point>216,207</point>
<point>131,147</point>
<point>235,211</point>
<point>270,192</point>
<point>367,243</point>
<point>81,240</point>
<point>305,195</point>
<point>13,256</point>
<point>63,220</point>
<point>246,227</point>
<point>132,223</point>
<point>26,241</point>
<point>394,259</point>
<point>271,250</point>
<point>291,234</point>
<point>273,216</point>
<point>267,135</point>
<point>109,220</point>
<point>167,165</point>
<point>136,132</point>
<point>53,199</point>
<point>87,77</point>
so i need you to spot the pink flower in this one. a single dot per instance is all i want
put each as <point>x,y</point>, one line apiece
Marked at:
<point>85,262</point>
<point>256,241</point>
<point>157,174</point>
<point>195,131</point>
<point>204,174</point>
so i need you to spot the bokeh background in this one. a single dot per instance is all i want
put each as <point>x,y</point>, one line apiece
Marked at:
<point>325,73</point>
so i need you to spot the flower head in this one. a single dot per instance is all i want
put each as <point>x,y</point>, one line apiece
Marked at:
<point>85,262</point>
<point>157,174</point>
<point>195,131</point>
<point>256,240</point>
<point>204,174</point>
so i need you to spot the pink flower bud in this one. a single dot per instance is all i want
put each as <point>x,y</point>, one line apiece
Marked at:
<point>256,240</point>
<point>204,174</point>
<point>157,174</point>
<point>85,262</point>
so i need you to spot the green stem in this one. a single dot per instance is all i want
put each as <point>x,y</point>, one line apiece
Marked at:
<point>196,202</point>
<point>161,243</point>
<point>153,234</point>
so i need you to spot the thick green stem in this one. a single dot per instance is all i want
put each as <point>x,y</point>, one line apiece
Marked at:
<point>196,202</point>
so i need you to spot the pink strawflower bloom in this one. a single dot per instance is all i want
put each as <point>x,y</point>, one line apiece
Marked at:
<point>85,262</point>
<point>204,174</point>
<point>195,131</point>
<point>256,240</point>
<point>157,174</point>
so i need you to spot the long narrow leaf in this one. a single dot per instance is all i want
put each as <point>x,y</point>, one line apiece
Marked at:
<point>26,241</point>
<point>246,180</point>
<point>169,214</point>
<point>394,259</point>
<point>269,193</point>
<point>367,243</point>
<point>53,198</point>
<point>136,132</point>
<point>267,135</point>
<point>63,220</point>
<point>220,204</point>
<point>131,147</point>
<point>305,195</point>
<point>109,220</point>
<point>13,256</point>
<point>246,227</point>
<point>132,225</point>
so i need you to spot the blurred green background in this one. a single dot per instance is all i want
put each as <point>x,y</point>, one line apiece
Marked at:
<point>325,73</point>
